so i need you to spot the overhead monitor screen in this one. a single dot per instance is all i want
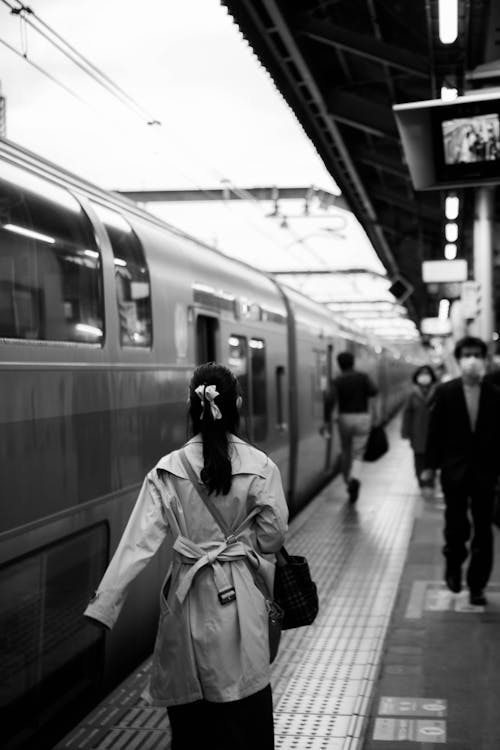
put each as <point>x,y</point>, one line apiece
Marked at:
<point>471,140</point>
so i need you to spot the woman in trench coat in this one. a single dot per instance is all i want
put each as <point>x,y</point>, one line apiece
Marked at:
<point>211,658</point>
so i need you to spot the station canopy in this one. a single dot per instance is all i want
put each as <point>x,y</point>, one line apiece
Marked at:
<point>341,65</point>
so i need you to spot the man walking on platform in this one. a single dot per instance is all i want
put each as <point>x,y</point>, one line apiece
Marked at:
<point>352,391</point>
<point>464,442</point>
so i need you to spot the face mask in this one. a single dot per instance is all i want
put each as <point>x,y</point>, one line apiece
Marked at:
<point>424,379</point>
<point>472,366</point>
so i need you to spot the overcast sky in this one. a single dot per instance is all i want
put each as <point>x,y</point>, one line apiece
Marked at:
<point>187,64</point>
<point>189,67</point>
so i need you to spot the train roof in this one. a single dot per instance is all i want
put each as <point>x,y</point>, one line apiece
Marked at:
<point>310,313</point>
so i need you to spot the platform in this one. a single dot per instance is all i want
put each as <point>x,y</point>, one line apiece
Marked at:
<point>439,683</point>
<point>363,675</point>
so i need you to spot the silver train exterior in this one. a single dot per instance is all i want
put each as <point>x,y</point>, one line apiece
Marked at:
<point>104,312</point>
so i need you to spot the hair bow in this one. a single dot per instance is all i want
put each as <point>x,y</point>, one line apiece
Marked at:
<point>208,393</point>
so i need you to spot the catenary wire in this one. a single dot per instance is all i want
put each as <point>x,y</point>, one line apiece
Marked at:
<point>81,63</point>
<point>116,91</point>
<point>44,72</point>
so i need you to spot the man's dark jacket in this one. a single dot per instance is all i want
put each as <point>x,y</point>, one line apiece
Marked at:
<point>451,444</point>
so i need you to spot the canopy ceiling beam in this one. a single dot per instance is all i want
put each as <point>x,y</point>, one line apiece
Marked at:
<point>382,161</point>
<point>329,271</point>
<point>229,193</point>
<point>418,209</point>
<point>368,47</point>
<point>361,113</point>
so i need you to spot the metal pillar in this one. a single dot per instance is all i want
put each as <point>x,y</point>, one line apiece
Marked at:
<point>483,261</point>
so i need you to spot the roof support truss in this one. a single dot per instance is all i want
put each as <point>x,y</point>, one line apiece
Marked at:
<point>366,46</point>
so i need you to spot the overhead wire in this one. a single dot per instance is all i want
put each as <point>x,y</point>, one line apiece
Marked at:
<point>42,70</point>
<point>27,14</point>
<point>78,59</point>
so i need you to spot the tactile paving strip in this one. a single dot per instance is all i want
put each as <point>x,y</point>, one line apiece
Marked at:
<point>357,556</point>
<point>323,676</point>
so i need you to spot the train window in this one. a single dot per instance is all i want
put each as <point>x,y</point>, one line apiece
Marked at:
<point>238,363</point>
<point>133,290</point>
<point>206,335</point>
<point>51,659</point>
<point>257,348</point>
<point>50,268</point>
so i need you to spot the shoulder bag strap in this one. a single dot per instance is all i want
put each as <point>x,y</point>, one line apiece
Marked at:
<point>210,505</point>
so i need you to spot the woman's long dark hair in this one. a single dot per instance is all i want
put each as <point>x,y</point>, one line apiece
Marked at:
<point>216,473</point>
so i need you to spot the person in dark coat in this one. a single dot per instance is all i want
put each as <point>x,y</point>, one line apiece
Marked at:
<point>464,442</point>
<point>415,423</point>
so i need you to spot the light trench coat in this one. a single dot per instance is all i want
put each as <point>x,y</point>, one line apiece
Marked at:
<point>204,649</point>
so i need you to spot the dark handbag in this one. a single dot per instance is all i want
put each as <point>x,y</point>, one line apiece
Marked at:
<point>377,444</point>
<point>294,590</point>
<point>274,611</point>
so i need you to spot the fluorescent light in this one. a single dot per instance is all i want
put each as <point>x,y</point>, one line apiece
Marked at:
<point>451,232</point>
<point>444,309</point>
<point>448,93</point>
<point>91,254</point>
<point>29,233</point>
<point>120,262</point>
<point>91,330</point>
<point>450,251</point>
<point>448,21</point>
<point>451,206</point>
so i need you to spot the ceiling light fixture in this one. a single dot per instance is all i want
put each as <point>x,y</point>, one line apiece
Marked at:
<point>451,207</point>
<point>448,21</point>
<point>451,232</point>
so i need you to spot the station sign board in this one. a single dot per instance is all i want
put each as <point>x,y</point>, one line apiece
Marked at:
<point>435,326</point>
<point>470,299</point>
<point>444,271</point>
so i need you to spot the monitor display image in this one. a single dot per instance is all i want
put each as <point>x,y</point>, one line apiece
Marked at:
<point>471,140</point>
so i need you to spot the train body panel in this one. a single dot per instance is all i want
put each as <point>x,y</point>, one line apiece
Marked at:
<point>104,313</point>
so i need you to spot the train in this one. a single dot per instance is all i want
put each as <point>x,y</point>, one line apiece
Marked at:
<point>105,310</point>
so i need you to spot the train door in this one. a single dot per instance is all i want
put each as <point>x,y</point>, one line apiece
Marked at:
<point>247,359</point>
<point>258,387</point>
<point>238,364</point>
<point>207,331</point>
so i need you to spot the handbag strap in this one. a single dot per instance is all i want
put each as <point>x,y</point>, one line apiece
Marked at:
<point>211,506</point>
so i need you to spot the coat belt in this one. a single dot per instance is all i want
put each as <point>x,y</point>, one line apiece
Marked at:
<point>213,554</point>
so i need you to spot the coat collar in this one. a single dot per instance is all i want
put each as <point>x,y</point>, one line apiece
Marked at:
<point>245,459</point>
<point>457,385</point>
<point>426,397</point>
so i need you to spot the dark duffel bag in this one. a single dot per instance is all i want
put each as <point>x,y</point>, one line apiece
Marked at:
<point>294,590</point>
<point>377,444</point>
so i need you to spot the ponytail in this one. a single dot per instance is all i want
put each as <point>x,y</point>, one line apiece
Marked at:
<point>213,393</point>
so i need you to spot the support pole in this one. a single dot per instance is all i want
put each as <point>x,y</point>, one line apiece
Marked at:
<point>483,261</point>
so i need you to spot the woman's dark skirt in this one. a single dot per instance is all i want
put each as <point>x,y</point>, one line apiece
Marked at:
<point>246,724</point>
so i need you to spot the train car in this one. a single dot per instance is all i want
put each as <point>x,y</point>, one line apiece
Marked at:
<point>104,312</point>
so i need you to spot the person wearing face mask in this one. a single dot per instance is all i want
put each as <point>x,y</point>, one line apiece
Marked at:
<point>416,421</point>
<point>463,441</point>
